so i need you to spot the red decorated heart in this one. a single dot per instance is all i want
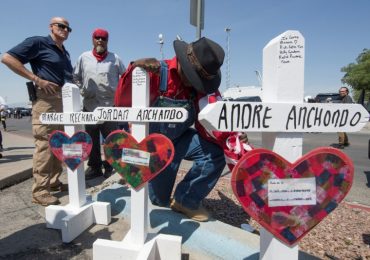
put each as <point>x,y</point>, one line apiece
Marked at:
<point>70,150</point>
<point>289,199</point>
<point>136,162</point>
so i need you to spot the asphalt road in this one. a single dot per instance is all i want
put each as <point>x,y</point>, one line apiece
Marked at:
<point>357,151</point>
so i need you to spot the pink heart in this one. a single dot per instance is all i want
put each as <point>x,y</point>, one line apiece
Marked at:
<point>71,150</point>
<point>264,183</point>
<point>136,162</point>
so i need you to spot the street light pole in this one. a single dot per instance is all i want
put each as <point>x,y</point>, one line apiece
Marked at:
<point>161,42</point>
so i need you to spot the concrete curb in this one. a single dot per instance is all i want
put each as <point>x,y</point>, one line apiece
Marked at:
<point>16,164</point>
<point>14,178</point>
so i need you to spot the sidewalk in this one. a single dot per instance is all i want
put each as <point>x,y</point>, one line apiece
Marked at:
<point>16,164</point>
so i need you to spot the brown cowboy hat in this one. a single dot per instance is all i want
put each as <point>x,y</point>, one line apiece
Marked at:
<point>201,61</point>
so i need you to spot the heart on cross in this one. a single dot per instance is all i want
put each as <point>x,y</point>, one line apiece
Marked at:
<point>289,199</point>
<point>70,150</point>
<point>136,162</point>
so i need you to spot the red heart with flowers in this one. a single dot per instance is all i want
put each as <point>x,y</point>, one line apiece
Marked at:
<point>289,199</point>
<point>136,162</point>
<point>70,150</point>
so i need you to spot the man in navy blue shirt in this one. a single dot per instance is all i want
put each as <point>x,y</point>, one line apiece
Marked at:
<point>51,68</point>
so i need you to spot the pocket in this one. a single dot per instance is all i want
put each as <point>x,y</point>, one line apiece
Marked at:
<point>173,130</point>
<point>45,106</point>
<point>103,71</point>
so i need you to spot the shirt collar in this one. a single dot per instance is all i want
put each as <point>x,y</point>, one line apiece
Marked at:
<point>51,41</point>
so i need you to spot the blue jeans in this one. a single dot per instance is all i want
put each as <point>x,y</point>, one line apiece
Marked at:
<point>94,131</point>
<point>208,164</point>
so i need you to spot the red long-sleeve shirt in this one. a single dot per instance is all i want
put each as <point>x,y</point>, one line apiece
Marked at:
<point>233,149</point>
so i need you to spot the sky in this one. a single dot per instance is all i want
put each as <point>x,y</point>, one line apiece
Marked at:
<point>335,32</point>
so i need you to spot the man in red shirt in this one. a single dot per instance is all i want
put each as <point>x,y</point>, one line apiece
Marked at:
<point>193,76</point>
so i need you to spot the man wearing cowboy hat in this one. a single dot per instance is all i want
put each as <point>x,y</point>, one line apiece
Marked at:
<point>193,76</point>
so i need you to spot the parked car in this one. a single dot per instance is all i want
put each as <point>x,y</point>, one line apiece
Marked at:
<point>327,98</point>
<point>26,112</point>
<point>245,99</point>
<point>22,111</point>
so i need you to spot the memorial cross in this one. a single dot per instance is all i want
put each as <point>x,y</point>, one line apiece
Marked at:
<point>282,117</point>
<point>137,244</point>
<point>80,213</point>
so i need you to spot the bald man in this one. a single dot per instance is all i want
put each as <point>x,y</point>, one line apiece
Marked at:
<point>50,68</point>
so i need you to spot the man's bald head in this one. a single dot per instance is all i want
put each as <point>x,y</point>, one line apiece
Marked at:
<point>59,28</point>
<point>59,20</point>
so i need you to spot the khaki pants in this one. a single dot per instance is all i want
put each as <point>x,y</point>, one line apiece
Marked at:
<point>46,167</point>
<point>342,138</point>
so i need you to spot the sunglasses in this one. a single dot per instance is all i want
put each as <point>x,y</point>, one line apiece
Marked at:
<point>63,26</point>
<point>104,39</point>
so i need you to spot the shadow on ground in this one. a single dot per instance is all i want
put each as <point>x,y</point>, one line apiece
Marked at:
<point>226,210</point>
<point>173,224</point>
<point>26,244</point>
<point>15,158</point>
<point>115,196</point>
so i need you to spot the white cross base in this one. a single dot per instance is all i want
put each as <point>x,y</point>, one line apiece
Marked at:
<point>156,247</point>
<point>79,214</point>
<point>138,244</point>
<point>73,221</point>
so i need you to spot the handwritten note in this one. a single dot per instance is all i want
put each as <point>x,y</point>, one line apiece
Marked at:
<point>117,114</point>
<point>283,117</point>
<point>291,48</point>
<point>72,150</point>
<point>291,192</point>
<point>139,78</point>
<point>66,92</point>
<point>134,156</point>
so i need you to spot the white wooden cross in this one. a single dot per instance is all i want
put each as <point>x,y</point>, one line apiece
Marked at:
<point>80,213</point>
<point>282,117</point>
<point>137,244</point>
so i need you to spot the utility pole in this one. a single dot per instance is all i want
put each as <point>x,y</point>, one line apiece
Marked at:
<point>227,30</point>
<point>197,16</point>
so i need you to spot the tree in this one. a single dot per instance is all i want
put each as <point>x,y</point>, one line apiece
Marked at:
<point>357,75</point>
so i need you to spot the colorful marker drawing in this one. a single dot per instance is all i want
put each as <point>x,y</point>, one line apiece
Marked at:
<point>136,162</point>
<point>71,150</point>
